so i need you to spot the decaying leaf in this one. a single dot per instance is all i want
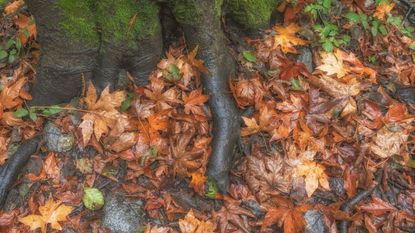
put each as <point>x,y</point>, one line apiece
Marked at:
<point>387,142</point>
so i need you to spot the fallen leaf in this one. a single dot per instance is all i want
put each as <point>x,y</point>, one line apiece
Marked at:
<point>286,39</point>
<point>190,224</point>
<point>51,213</point>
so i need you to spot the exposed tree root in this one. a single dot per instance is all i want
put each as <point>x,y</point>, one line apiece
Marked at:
<point>10,171</point>
<point>349,205</point>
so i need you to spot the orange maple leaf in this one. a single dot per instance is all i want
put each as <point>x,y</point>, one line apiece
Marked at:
<point>198,182</point>
<point>286,38</point>
<point>291,218</point>
<point>193,103</point>
<point>50,213</point>
<point>102,113</point>
<point>12,7</point>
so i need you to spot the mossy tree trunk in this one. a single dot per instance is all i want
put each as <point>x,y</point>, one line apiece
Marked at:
<point>88,39</point>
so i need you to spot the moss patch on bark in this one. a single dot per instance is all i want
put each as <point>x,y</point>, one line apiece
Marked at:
<point>118,21</point>
<point>251,14</point>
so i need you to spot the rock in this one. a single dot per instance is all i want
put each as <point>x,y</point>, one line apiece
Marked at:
<point>314,222</point>
<point>306,57</point>
<point>121,215</point>
<point>57,141</point>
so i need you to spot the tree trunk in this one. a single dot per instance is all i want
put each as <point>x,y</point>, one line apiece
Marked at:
<point>87,39</point>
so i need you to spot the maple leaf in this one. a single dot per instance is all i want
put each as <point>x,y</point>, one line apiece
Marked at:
<point>286,38</point>
<point>163,99</point>
<point>290,217</point>
<point>190,224</point>
<point>383,9</point>
<point>247,91</point>
<point>332,64</point>
<point>198,64</point>
<point>267,176</point>
<point>102,113</point>
<point>231,213</point>
<point>193,103</point>
<point>3,149</point>
<point>50,213</point>
<point>335,88</point>
<point>265,119</point>
<point>377,207</point>
<point>312,172</point>
<point>252,127</point>
<point>388,142</point>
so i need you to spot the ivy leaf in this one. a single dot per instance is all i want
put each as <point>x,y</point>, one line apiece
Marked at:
<point>32,115</point>
<point>249,56</point>
<point>296,85</point>
<point>353,17</point>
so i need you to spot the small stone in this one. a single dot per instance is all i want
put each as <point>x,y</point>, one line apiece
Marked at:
<point>306,57</point>
<point>123,216</point>
<point>314,222</point>
<point>56,141</point>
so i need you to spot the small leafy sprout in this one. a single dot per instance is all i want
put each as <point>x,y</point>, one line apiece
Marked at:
<point>378,26</point>
<point>211,188</point>
<point>33,111</point>
<point>397,22</point>
<point>329,36</point>
<point>10,50</point>
<point>322,6</point>
<point>372,59</point>
<point>358,18</point>
<point>249,56</point>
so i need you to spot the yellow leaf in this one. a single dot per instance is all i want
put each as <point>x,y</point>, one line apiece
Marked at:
<point>313,174</point>
<point>332,64</point>
<point>51,213</point>
<point>286,38</point>
<point>34,222</point>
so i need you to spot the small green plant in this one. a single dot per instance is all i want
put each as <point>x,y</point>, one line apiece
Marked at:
<point>320,6</point>
<point>329,36</point>
<point>32,112</point>
<point>378,26</point>
<point>11,50</point>
<point>397,22</point>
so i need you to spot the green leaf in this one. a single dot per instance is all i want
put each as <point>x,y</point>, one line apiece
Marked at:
<point>396,21</point>
<point>3,54</point>
<point>383,29</point>
<point>327,4</point>
<point>21,112</point>
<point>211,188</point>
<point>328,46</point>
<point>249,56</point>
<point>296,85</point>
<point>374,30</point>
<point>32,115</point>
<point>353,17</point>
<point>412,46</point>
<point>52,110</point>
<point>12,58</point>
<point>125,105</point>
<point>93,199</point>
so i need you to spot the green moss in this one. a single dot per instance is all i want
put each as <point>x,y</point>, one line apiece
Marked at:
<point>251,14</point>
<point>218,7</point>
<point>78,19</point>
<point>118,21</point>
<point>186,11</point>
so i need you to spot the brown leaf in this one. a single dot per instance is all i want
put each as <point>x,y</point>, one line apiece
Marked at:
<point>190,224</point>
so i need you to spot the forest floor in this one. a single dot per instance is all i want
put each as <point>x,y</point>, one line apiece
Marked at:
<point>327,142</point>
